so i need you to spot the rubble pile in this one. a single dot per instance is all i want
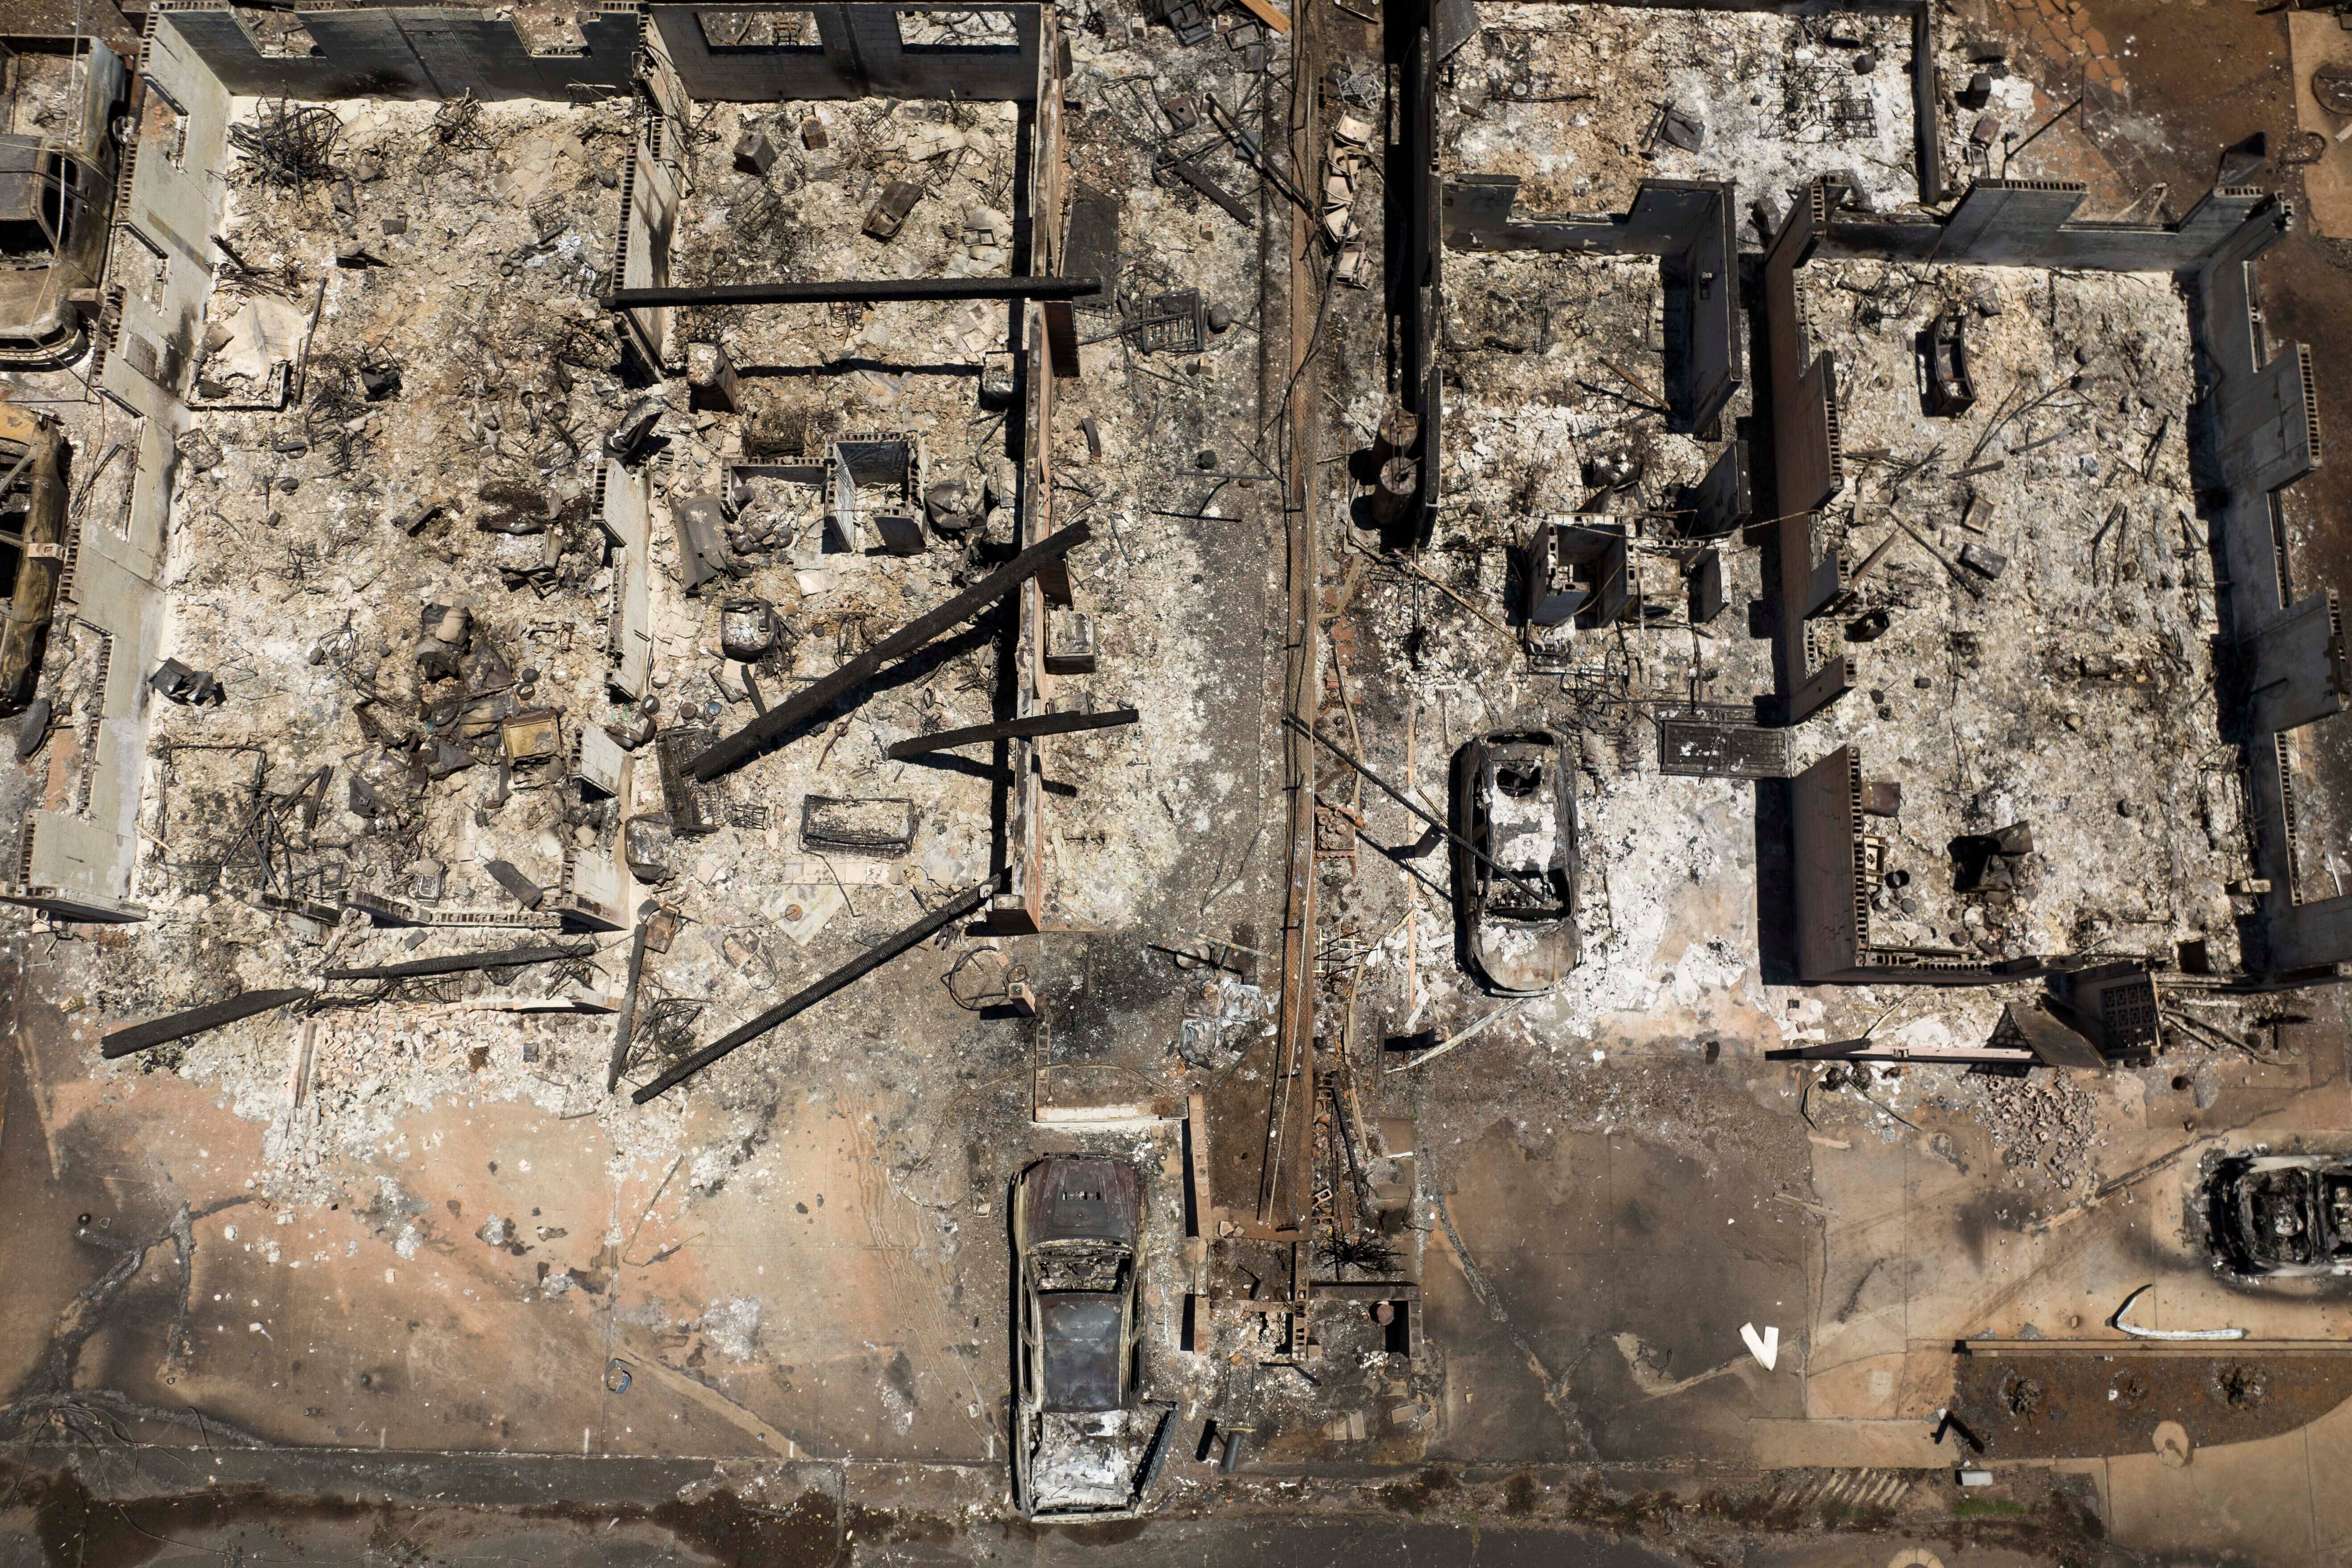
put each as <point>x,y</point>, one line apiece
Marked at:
<point>2036,649</point>
<point>1585,101</point>
<point>2045,1128</point>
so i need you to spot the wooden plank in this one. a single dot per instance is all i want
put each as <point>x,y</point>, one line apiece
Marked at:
<point>1198,1119</point>
<point>1268,14</point>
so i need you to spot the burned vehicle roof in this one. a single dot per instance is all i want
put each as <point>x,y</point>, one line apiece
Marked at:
<point>1528,831</point>
<point>57,199</point>
<point>1083,1346</point>
<point>1082,1200</point>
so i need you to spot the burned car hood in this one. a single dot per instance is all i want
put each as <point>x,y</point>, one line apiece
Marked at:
<point>1082,1200</point>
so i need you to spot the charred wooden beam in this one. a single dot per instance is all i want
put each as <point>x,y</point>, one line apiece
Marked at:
<point>1010,729</point>
<point>813,698</point>
<point>626,1030</point>
<point>849,973</point>
<point>855,292</point>
<point>162,1031</point>
<point>459,963</point>
<point>527,893</point>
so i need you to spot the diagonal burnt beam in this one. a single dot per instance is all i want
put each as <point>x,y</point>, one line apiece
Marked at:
<point>857,291</point>
<point>1010,729</point>
<point>625,1029</point>
<point>460,963</point>
<point>162,1031</point>
<point>849,973</point>
<point>796,709</point>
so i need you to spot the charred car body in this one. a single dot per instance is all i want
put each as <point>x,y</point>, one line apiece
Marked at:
<point>56,202</point>
<point>2280,1216</point>
<point>32,550</point>
<point>1515,802</point>
<point>1081,1441</point>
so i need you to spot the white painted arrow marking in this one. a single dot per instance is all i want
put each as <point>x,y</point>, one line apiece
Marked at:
<point>1765,1347</point>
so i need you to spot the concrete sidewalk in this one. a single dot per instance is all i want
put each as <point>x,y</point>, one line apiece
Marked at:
<point>2277,1501</point>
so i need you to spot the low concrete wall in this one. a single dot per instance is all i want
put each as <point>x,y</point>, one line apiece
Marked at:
<point>425,52</point>
<point>1691,226</point>
<point>858,53</point>
<point>409,52</point>
<point>2030,223</point>
<point>1801,406</point>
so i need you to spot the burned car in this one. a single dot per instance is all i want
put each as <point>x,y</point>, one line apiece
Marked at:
<point>1082,1438</point>
<point>32,549</point>
<point>57,167</point>
<point>1515,803</point>
<point>2280,1216</point>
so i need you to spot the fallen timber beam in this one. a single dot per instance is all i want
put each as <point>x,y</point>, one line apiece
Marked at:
<point>738,748</point>
<point>849,973</point>
<point>459,963</point>
<point>856,292</point>
<point>162,1031</point>
<point>627,1028</point>
<point>1863,1051</point>
<point>1010,729</point>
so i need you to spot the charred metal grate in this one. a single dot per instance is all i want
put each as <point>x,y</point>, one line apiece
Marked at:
<point>110,323</point>
<point>2310,400</point>
<point>2127,1017</point>
<point>620,237</point>
<point>1853,825</point>
<point>97,718</point>
<point>1818,104</point>
<point>72,561</point>
<point>1832,431</point>
<point>2283,746</point>
<point>1695,747</point>
<point>1173,325</point>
